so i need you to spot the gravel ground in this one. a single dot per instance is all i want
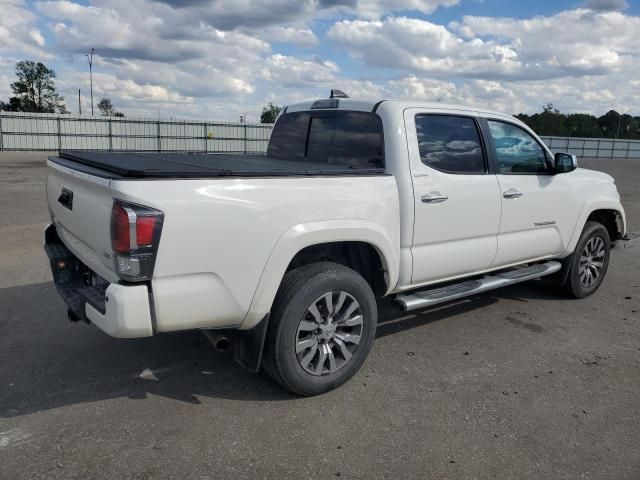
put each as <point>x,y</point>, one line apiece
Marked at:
<point>513,384</point>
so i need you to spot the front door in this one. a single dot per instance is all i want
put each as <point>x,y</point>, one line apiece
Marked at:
<point>533,199</point>
<point>456,199</point>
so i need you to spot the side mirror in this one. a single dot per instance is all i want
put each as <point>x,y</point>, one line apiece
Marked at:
<point>564,162</point>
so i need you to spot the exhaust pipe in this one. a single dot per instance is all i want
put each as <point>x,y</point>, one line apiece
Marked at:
<point>220,342</point>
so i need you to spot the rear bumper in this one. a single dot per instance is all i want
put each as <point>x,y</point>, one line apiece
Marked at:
<point>122,311</point>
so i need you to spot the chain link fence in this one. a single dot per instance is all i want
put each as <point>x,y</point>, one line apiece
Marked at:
<point>49,132</point>
<point>594,147</point>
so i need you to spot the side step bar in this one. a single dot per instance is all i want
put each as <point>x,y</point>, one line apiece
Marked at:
<point>434,296</point>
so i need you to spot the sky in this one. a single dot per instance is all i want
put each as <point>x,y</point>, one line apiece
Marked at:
<point>219,59</point>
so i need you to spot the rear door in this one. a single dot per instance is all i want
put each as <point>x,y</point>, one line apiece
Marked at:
<point>80,206</point>
<point>456,197</point>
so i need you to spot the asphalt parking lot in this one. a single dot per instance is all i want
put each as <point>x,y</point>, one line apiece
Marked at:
<point>513,384</point>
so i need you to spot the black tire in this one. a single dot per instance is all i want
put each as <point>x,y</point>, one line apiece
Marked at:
<point>573,286</point>
<point>301,288</point>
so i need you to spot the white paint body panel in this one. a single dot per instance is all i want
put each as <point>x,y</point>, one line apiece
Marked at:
<point>127,312</point>
<point>220,234</point>
<point>85,230</point>
<point>543,221</point>
<point>459,235</point>
<point>226,242</point>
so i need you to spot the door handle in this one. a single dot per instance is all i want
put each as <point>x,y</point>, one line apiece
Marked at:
<point>511,193</point>
<point>434,197</point>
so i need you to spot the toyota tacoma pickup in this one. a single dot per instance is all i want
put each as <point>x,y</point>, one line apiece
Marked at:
<point>352,201</point>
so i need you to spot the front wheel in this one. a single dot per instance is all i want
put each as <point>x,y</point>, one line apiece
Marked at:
<point>322,328</point>
<point>590,261</point>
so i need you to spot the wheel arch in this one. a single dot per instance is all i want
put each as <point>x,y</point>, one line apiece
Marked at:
<point>347,242</point>
<point>611,220</point>
<point>360,256</point>
<point>605,210</point>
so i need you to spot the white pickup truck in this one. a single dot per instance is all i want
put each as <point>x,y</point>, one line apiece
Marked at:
<point>354,200</point>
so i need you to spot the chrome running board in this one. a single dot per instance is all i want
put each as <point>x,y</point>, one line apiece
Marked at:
<point>434,296</point>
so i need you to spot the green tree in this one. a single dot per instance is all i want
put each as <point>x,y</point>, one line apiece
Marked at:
<point>583,125</point>
<point>269,113</point>
<point>12,106</point>
<point>614,125</point>
<point>551,122</point>
<point>35,90</point>
<point>106,108</point>
<point>633,131</point>
<point>609,123</point>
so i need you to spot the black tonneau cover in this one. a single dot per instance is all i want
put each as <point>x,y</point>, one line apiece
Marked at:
<point>202,165</point>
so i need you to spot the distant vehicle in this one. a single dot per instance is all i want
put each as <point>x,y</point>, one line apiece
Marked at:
<point>354,200</point>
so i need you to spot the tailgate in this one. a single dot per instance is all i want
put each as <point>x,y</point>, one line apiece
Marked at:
<point>80,206</point>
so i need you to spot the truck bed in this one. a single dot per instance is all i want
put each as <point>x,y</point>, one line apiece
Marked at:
<point>199,165</point>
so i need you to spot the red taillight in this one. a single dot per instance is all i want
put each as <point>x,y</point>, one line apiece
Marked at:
<point>120,229</point>
<point>145,228</point>
<point>135,234</point>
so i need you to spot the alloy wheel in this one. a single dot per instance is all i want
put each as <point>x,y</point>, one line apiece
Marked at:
<point>329,333</point>
<point>591,262</point>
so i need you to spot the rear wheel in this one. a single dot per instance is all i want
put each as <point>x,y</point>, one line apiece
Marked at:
<point>322,328</point>
<point>590,261</point>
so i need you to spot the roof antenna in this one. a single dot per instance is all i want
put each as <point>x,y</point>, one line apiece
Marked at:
<point>335,93</point>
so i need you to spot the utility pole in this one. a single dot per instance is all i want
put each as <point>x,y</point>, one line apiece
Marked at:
<point>79,104</point>
<point>619,121</point>
<point>90,58</point>
<point>444,94</point>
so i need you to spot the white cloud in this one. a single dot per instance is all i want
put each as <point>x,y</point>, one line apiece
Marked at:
<point>291,71</point>
<point>415,88</point>
<point>148,59</point>
<point>231,14</point>
<point>127,90</point>
<point>299,36</point>
<point>575,40</point>
<point>587,94</point>
<point>377,8</point>
<point>495,48</point>
<point>137,29</point>
<point>18,31</point>
<point>224,58</point>
<point>422,46</point>
<point>6,76</point>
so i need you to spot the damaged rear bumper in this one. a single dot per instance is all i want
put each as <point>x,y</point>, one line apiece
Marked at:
<point>118,310</point>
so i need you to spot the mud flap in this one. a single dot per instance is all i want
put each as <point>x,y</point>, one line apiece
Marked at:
<point>250,345</point>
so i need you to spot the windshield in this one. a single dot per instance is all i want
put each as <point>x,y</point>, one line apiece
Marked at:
<point>335,137</point>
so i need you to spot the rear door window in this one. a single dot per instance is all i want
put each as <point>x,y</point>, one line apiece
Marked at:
<point>450,144</point>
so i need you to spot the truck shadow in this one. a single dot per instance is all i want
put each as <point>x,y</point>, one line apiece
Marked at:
<point>46,362</point>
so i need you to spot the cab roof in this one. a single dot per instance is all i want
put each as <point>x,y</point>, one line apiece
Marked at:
<point>370,105</point>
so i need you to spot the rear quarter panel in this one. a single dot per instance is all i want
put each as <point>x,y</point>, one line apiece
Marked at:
<point>219,235</point>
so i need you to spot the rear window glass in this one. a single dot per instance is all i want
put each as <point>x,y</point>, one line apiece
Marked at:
<point>340,137</point>
<point>289,136</point>
<point>450,143</point>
